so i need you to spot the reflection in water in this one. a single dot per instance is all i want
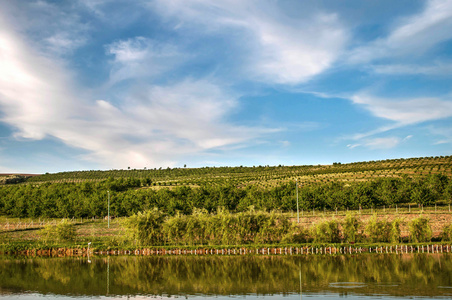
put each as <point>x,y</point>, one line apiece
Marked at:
<point>388,275</point>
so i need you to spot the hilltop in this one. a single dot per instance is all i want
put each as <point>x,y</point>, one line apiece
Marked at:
<point>265,175</point>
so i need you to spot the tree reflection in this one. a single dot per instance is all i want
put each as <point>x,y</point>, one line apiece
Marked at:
<point>410,275</point>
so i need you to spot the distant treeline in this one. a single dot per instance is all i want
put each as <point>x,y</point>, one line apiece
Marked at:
<point>89,199</point>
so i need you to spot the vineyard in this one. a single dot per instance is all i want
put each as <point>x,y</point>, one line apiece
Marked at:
<point>414,182</point>
<point>264,176</point>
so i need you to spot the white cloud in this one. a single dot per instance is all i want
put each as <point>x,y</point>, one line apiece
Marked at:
<point>435,69</point>
<point>53,29</point>
<point>412,36</point>
<point>444,134</point>
<point>408,137</point>
<point>153,126</point>
<point>405,111</point>
<point>281,49</point>
<point>382,143</point>
<point>352,146</point>
<point>32,88</point>
<point>141,57</point>
<point>290,55</point>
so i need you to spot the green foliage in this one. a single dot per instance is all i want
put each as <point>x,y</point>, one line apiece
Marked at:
<point>395,231</point>
<point>446,235</point>
<point>351,227</point>
<point>297,235</point>
<point>420,230</point>
<point>326,232</point>
<point>200,228</point>
<point>274,227</point>
<point>146,228</point>
<point>63,231</point>
<point>382,230</point>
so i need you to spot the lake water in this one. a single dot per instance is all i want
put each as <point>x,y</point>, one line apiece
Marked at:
<point>367,276</point>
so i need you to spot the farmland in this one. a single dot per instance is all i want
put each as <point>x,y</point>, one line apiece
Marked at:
<point>220,203</point>
<point>415,182</point>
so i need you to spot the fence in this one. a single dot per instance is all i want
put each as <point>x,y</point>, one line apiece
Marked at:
<point>386,210</point>
<point>18,224</point>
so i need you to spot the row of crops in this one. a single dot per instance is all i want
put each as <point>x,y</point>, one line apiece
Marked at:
<point>421,181</point>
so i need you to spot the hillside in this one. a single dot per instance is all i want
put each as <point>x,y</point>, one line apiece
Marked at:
<point>376,184</point>
<point>265,175</point>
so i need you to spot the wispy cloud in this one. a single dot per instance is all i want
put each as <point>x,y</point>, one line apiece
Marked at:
<point>141,57</point>
<point>278,51</point>
<point>412,36</point>
<point>50,29</point>
<point>380,143</point>
<point>154,125</point>
<point>434,69</point>
<point>405,111</point>
<point>443,134</point>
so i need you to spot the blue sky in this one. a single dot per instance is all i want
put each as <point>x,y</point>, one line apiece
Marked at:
<point>108,84</point>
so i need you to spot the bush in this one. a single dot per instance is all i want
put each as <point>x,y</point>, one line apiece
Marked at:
<point>350,228</point>
<point>296,235</point>
<point>273,228</point>
<point>446,236</point>
<point>420,230</point>
<point>326,232</point>
<point>146,228</point>
<point>395,231</point>
<point>63,231</point>
<point>382,230</point>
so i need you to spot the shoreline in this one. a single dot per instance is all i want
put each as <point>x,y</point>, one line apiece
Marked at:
<point>238,250</point>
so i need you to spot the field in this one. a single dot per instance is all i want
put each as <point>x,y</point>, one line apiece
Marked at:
<point>265,176</point>
<point>398,190</point>
<point>363,185</point>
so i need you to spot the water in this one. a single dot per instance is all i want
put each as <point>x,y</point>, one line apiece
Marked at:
<point>217,277</point>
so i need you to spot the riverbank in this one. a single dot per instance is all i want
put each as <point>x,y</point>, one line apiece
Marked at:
<point>40,237</point>
<point>326,249</point>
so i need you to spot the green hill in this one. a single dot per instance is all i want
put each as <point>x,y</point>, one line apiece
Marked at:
<point>266,175</point>
<point>422,181</point>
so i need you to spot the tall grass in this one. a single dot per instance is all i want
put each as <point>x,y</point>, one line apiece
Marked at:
<point>63,231</point>
<point>258,227</point>
<point>420,230</point>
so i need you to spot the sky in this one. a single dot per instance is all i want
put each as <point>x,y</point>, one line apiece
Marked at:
<point>110,84</point>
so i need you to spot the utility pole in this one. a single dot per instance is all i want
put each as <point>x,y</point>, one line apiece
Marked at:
<point>108,192</point>
<point>298,212</point>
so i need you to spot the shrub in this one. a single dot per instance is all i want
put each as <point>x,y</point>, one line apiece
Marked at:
<point>350,228</point>
<point>395,232</point>
<point>175,228</point>
<point>446,236</point>
<point>273,227</point>
<point>146,228</point>
<point>63,231</point>
<point>378,230</point>
<point>420,230</point>
<point>296,235</point>
<point>326,232</point>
